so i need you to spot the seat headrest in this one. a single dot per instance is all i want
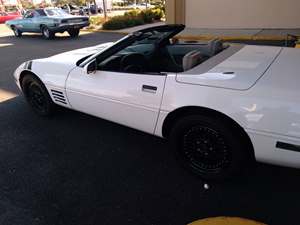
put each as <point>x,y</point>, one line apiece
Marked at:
<point>215,46</point>
<point>191,59</point>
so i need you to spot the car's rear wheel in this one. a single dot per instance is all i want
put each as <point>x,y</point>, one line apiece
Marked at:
<point>74,33</point>
<point>37,96</point>
<point>47,34</point>
<point>17,32</point>
<point>209,147</point>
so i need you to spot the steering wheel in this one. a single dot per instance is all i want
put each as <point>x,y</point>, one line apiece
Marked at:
<point>134,63</point>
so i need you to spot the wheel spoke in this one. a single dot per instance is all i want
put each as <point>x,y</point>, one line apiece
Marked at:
<point>36,98</point>
<point>205,149</point>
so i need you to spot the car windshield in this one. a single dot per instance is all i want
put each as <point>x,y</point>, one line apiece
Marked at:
<point>55,12</point>
<point>151,37</point>
<point>143,37</point>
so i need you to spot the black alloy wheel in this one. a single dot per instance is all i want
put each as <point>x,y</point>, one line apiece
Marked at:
<point>37,96</point>
<point>210,147</point>
<point>17,32</point>
<point>205,149</point>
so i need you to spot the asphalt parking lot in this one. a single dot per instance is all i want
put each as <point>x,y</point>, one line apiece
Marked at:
<point>77,169</point>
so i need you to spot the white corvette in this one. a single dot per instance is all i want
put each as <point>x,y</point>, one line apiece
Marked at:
<point>220,106</point>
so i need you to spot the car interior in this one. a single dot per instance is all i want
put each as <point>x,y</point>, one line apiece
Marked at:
<point>180,57</point>
<point>147,56</point>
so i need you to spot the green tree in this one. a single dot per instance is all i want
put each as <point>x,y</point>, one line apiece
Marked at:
<point>27,4</point>
<point>61,2</point>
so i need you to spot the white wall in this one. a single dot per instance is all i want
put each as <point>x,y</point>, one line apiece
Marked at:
<point>243,13</point>
<point>10,2</point>
<point>36,2</point>
<point>108,4</point>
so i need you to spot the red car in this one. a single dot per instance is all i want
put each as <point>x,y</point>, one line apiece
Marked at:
<point>8,16</point>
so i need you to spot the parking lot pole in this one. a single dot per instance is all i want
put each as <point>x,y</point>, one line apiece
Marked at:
<point>2,8</point>
<point>104,10</point>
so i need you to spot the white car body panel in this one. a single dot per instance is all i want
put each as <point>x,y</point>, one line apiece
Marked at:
<point>55,69</point>
<point>262,95</point>
<point>118,97</point>
<point>240,71</point>
<point>266,151</point>
<point>269,118</point>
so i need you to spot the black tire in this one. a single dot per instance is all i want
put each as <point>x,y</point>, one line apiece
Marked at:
<point>17,32</point>
<point>210,147</point>
<point>37,96</point>
<point>47,34</point>
<point>74,33</point>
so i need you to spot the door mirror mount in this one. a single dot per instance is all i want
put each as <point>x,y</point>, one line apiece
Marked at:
<point>91,67</point>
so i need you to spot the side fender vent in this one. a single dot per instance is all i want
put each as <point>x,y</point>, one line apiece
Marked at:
<point>59,96</point>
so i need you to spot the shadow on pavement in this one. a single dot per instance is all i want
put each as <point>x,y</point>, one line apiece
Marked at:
<point>78,169</point>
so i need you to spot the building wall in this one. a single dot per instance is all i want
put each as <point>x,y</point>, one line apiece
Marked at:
<point>175,11</point>
<point>107,2</point>
<point>242,13</point>
<point>5,4</point>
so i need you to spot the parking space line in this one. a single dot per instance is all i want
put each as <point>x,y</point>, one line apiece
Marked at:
<point>6,95</point>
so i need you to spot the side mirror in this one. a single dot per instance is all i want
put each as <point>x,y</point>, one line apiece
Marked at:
<point>91,67</point>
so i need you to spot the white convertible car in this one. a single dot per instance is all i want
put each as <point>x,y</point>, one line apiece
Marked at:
<point>221,106</point>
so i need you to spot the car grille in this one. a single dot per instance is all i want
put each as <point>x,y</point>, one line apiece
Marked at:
<point>59,97</point>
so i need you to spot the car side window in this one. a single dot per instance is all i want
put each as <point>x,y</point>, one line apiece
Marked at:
<point>28,15</point>
<point>136,58</point>
<point>36,14</point>
<point>40,12</point>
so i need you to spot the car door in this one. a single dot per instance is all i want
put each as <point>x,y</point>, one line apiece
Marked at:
<point>26,23</point>
<point>35,22</point>
<point>130,99</point>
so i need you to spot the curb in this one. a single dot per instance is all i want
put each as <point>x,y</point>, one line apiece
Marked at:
<point>232,38</point>
<point>238,38</point>
<point>226,221</point>
<point>105,31</point>
<point>209,37</point>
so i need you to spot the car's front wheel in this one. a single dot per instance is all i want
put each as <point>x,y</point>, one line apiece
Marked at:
<point>74,33</point>
<point>47,34</point>
<point>17,32</point>
<point>37,96</point>
<point>210,147</point>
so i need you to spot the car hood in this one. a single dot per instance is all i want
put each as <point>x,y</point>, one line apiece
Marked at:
<point>71,57</point>
<point>239,71</point>
<point>55,69</point>
<point>15,20</point>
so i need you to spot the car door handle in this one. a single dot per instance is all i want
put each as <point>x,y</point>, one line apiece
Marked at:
<point>148,88</point>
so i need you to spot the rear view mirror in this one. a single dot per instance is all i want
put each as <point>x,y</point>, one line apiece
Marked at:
<point>91,67</point>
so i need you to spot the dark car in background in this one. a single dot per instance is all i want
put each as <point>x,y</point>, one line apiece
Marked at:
<point>71,9</point>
